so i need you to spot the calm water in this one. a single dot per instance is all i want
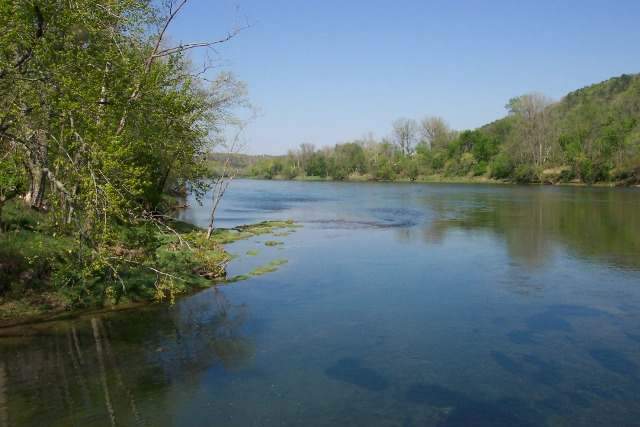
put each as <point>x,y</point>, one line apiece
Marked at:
<point>400,305</point>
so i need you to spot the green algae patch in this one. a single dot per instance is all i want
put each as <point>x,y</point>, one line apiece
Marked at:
<point>230,235</point>
<point>268,268</point>
<point>252,252</point>
<point>238,278</point>
<point>273,243</point>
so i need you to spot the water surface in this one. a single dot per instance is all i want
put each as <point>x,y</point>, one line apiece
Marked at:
<point>400,305</point>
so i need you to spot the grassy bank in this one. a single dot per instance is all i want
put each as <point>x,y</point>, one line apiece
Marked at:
<point>34,260</point>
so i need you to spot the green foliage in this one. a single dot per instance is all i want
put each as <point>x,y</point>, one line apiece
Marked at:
<point>525,173</point>
<point>96,126</point>
<point>501,166</point>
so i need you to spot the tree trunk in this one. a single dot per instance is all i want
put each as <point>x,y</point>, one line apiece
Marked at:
<point>1,206</point>
<point>37,170</point>
<point>38,186</point>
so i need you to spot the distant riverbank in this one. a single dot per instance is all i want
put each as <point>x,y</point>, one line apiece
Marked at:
<point>438,179</point>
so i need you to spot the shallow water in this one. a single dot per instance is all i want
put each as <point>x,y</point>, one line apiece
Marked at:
<point>400,305</point>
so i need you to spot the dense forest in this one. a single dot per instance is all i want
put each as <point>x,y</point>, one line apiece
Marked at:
<point>101,120</point>
<point>592,135</point>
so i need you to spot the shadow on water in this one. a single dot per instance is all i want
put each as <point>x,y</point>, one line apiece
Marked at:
<point>615,361</point>
<point>351,371</point>
<point>530,367</point>
<point>106,370</point>
<point>554,318</point>
<point>460,410</point>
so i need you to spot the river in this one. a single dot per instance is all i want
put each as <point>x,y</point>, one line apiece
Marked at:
<point>398,305</point>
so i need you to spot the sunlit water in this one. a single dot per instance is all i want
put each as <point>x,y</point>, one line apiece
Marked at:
<point>400,305</point>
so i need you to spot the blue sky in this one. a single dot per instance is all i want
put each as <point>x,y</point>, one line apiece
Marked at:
<point>329,71</point>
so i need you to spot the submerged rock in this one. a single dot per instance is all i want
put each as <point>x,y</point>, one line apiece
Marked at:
<point>351,371</point>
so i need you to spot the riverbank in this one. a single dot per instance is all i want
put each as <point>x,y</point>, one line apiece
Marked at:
<point>440,179</point>
<point>32,255</point>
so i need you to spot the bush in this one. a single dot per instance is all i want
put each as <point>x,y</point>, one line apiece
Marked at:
<point>591,171</point>
<point>467,163</point>
<point>525,174</point>
<point>383,171</point>
<point>480,168</point>
<point>438,160</point>
<point>501,167</point>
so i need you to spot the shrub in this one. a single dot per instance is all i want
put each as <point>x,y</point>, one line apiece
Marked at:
<point>501,167</point>
<point>525,174</point>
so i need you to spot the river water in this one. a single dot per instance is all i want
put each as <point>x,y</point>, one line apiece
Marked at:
<point>399,305</point>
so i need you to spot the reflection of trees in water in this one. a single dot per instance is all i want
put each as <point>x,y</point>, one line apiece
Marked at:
<point>104,370</point>
<point>600,224</point>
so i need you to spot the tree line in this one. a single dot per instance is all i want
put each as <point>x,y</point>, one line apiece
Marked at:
<point>592,135</point>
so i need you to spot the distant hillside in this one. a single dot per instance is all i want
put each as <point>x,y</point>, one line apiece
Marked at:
<point>591,135</point>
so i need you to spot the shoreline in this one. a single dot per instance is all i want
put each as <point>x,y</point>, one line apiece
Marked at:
<point>43,304</point>
<point>439,179</point>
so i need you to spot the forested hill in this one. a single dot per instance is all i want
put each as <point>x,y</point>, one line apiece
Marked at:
<point>591,135</point>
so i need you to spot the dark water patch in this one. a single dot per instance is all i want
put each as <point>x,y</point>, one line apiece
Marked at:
<point>597,391</point>
<point>546,321</point>
<point>507,363</point>
<point>564,310</point>
<point>434,395</point>
<point>521,336</point>
<point>274,202</point>
<point>633,337</point>
<point>551,404</point>
<point>535,361</point>
<point>408,422</point>
<point>507,412</point>
<point>578,399</point>
<point>399,217</point>
<point>464,411</point>
<point>614,361</point>
<point>546,373</point>
<point>530,366</point>
<point>351,371</point>
<point>554,318</point>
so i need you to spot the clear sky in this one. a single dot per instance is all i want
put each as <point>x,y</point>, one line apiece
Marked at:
<point>327,71</point>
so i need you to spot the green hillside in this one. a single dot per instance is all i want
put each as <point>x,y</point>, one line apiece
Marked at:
<point>592,135</point>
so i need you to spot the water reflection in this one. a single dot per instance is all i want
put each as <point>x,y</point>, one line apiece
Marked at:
<point>598,224</point>
<point>108,370</point>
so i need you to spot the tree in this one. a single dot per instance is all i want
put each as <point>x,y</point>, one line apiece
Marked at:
<point>534,131</point>
<point>104,116</point>
<point>435,132</point>
<point>405,135</point>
